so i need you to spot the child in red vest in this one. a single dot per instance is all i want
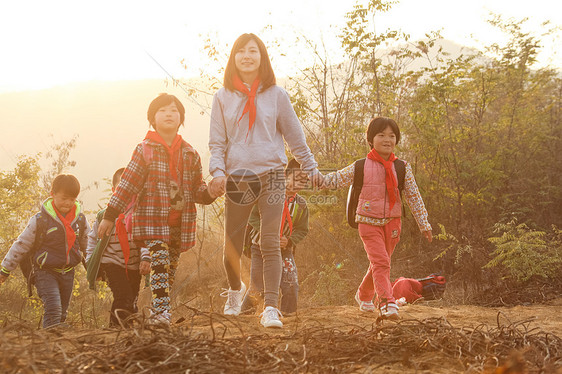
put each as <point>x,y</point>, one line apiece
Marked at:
<point>166,176</point>
<point>379,213</point>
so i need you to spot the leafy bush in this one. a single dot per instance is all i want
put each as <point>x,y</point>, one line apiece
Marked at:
<point>524,253</point>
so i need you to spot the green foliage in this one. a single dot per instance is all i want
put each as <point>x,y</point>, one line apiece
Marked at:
<point>524,253</point>
<point>21,193</point>
<point>482,130</point>
<point>20,196</point>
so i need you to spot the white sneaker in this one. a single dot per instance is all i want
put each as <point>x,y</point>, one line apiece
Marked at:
<point>270,317</point>
<point>364,306</point>
<point>160,319</point>
<point>234,300</point>
<point>390,311</point>
<point>401,302</point>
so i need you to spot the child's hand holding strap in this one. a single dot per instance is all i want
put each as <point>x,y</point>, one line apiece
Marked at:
<point>104,229</point>
<point>144,267</point>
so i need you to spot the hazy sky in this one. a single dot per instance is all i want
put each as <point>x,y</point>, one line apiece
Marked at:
<point>46,43</point>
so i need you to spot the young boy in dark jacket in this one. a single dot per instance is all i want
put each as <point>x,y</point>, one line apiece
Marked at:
<point>62,227</point>
<point>294,227</point>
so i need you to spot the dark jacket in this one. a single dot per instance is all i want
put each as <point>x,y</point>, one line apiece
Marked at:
<point>52,252</point>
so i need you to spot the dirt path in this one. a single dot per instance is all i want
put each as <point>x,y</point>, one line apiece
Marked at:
<point>546,317</point>
<point>430,338</point>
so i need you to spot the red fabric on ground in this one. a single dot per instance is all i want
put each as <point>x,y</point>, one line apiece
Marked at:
<point>408,288</point>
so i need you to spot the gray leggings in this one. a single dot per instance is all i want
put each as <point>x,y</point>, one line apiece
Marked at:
<point>270,202</point>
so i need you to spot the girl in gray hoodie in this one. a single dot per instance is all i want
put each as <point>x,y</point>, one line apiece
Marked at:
<point>251,119</point>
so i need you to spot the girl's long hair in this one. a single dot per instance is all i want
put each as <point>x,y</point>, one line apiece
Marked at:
<point>266,75</point>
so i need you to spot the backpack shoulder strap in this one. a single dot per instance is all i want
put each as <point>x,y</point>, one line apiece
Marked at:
<point>99,216</point>
<point>358,173</point>
<point>147,151</point>
<point>40,231</point>
<point>82,225</point>
<point>400,167</point>
<point>354,192</point>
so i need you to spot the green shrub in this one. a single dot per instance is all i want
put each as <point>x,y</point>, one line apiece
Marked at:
<point>524,253</point>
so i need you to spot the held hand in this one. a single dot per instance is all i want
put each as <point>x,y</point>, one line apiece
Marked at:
<point>428,236</point>
<point>104,228</point>
<point>144,267</point>
<point>217,187</point>
<point>283,242</point>
<point>3,278</point>
<point>317,180</point>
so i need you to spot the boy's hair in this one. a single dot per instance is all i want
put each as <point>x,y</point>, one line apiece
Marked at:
<point>266,75</point>
<point>66,183</point>
<point>162,100</point>
<point>117,177</point>
<point>378,125</point>
<point>292,165</point>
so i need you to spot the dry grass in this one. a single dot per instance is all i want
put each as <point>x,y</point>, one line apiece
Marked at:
<point>202,342</point>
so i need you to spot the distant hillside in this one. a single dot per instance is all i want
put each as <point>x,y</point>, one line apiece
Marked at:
<point>109,117</point>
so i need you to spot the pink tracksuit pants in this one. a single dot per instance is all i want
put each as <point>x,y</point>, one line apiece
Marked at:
<point>379,243</point>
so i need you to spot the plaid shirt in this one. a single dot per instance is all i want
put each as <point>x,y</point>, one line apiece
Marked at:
<point>148,176</point>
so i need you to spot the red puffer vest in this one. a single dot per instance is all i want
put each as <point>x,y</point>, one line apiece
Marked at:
<point>373,200</point>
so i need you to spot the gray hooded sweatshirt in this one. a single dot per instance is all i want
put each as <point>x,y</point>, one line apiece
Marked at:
<point>261,149</point>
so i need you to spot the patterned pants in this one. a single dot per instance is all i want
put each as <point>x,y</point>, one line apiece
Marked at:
<point>164,265</point>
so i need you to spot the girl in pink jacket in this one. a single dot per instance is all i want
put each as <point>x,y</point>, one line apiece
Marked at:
<point>379,211</point>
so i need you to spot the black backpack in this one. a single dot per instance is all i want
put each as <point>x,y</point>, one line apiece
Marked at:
<point>355,188</point>
<point>434,286</point>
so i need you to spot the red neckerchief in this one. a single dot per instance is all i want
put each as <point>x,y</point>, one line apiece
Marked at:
<point>390,179</point>
<point>174,153</point>
<point>67,225</point>
<point>129,214</point>
<point>122,235</point>
<point>287,215</point>
<point>251,102</point>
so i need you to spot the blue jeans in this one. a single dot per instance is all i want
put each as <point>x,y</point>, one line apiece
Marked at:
<point>55,290</point>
